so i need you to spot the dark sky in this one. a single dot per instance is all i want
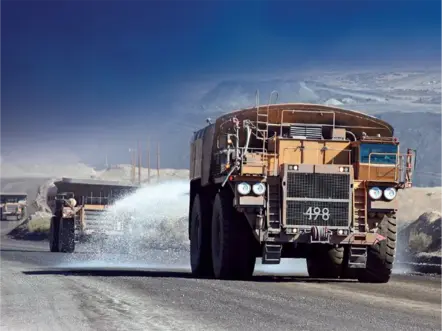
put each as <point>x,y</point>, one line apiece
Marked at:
<point>87,70</point>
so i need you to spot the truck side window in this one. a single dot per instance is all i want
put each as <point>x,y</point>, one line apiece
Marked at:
<point>380,153</point>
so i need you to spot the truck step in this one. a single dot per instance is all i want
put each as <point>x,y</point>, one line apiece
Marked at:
<point>271,253</point>
<point>357,257</point>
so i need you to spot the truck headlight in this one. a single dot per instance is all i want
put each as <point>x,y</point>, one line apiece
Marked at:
<point>375,193</point>
<point>259,188</point>
<point>390,193</point>
<point>243,188</point>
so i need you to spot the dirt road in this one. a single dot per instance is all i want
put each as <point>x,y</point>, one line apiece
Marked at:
<point>87,291</point>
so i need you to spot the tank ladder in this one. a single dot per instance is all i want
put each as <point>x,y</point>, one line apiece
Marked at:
<point>357,256</point>
<point>360,211</point>
<point>262,122</point>
<point>274,205</point>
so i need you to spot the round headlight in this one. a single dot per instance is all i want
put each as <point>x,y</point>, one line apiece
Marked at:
<point>259,188</point>
<point>243,188</point>
<point>375,193</point>
<point>390,193</point>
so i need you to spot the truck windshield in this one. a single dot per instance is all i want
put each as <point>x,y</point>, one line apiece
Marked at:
<point>368,148</point>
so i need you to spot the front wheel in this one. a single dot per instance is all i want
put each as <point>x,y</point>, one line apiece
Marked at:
<point>380,256</point>
<point>200,239</point>
<point>54,235</point>
<point>233,243</point>
<point>67,236</point>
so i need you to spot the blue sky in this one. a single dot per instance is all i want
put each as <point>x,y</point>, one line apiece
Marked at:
<point>92,68</point>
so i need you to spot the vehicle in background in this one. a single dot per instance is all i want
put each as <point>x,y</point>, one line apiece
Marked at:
<point>13,206</point>
<point>78,207</point>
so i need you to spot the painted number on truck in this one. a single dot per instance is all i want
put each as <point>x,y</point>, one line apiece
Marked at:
<point>314,212</point>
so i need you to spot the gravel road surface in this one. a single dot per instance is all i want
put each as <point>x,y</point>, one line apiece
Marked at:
<point>91,291</point>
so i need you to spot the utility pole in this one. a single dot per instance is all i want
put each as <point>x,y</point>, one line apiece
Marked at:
<point>148,160</point>
<point>139,163</point>
<point>158,161</point>
<point>132,165</point>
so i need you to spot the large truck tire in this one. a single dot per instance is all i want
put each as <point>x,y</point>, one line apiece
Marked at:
<point>54,235</point>
<point>200,239</point>
<point>380,256</point>
<point>67,236</point>
<point>233,243</point>
<point>325,261</point>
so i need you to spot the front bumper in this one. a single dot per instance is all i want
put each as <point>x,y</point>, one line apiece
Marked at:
<point>324,235</point>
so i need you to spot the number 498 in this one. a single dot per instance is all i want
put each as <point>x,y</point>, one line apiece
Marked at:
<point>315,212</point>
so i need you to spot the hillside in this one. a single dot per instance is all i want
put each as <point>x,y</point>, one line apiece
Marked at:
<point>419,231</point>
<point>420,241</point>
<point>418,200</point>
<point>408,99</point>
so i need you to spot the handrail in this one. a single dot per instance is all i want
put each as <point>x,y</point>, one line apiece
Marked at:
<point>396,165</point>
<point>254,150</point>
<point>263,159</point>
<point>322,149</point>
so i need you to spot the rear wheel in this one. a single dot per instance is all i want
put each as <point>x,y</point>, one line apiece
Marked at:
<point>200,238</point>
<point>380,256</point>
<point>233,243</point>
<point>67,236</point>
<point>325,261</point>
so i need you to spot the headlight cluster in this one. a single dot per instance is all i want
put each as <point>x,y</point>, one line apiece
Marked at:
<point>245,188</point>
<point>344,169</point>
<point>376,193</point>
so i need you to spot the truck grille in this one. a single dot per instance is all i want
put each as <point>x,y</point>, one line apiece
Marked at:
<point>318,186</point>
<point>10,208</point>
<point>318,199</point>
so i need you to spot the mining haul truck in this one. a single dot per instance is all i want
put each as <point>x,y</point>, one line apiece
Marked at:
<point>77,206</point>
<point>296,181</point>
<point>13,206</point>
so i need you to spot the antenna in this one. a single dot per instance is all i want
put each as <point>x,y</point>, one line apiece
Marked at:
<point>139,162</point>
<point>158,161</point>
<point>148,160</point>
